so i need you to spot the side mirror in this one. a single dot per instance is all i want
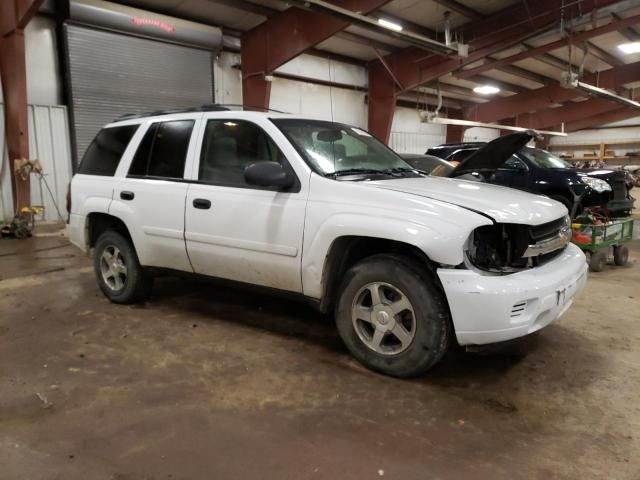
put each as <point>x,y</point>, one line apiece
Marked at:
<point>268,174</point>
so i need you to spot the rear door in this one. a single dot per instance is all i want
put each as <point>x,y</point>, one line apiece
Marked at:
<point>238,231</point>
<point>150,193</point>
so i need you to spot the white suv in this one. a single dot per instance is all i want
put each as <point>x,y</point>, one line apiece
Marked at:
<point>325,211</point>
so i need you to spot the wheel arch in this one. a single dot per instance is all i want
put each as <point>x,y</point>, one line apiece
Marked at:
<point>348,250</point>
<point>98,223</point>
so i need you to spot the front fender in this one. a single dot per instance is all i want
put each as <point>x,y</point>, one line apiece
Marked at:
<point>441,239</point>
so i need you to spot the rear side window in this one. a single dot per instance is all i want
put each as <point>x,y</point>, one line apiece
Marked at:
<point>163,150</point>
<point>103,155</point>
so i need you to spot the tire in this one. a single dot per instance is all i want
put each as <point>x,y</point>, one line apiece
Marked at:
<point>620,255</point>
<point>563,200</point>
<point>598,260</point>
<point>409,298</point>
<point>127,285</point>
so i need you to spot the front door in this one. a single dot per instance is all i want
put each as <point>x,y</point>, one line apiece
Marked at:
<point>513,173</point>
<point>238,231</point>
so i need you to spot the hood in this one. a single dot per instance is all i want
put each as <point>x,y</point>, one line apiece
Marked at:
<point>491,156</point>
<point>603,173</point>
<point>502,204</point>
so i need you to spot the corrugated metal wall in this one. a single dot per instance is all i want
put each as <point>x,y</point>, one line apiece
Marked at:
<point>113,74</point>
<point>49,143</point>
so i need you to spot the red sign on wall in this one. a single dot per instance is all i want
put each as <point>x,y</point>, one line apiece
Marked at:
<point>152,22</point>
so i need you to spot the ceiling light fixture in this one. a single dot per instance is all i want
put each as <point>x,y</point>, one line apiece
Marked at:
<point>629,48</point>
<point>390,25</point>
<point>486,90</point>
<point>469,123</point>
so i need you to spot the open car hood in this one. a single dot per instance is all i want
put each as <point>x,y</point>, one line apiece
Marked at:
<point>490,157</point>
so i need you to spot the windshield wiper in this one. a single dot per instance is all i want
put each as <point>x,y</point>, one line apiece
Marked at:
<point>394,172</point>
<point>357,171</point>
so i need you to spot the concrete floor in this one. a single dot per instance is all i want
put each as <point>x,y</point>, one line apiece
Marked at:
<point>209,383</point>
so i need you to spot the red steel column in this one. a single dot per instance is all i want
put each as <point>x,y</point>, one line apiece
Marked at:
<point>256,91</point>
<point>381,102</point>
<point>14,86</point>
<point>455,134</point>
<point>283,37</point>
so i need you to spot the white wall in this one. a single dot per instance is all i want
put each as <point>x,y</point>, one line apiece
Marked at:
<point>44,86</point>
<point>319,101</point>
<point>604,135</point>
<point>49,143</point>
<point>227,80</point>
<point>409,134</point>
<point>480,134</point>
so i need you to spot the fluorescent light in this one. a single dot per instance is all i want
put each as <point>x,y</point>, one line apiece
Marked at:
<point>469,123</point>
<point>629,48</point>
<point>486,90</point>
<point>390,25</point>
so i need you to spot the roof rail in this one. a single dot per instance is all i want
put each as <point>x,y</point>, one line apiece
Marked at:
<point>204,108</point>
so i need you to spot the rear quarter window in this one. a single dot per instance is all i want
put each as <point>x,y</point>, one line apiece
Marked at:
<point>104,154</point>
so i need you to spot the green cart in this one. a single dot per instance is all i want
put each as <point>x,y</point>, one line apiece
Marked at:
<point>597,240</point>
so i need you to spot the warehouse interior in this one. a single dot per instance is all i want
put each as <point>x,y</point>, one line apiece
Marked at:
<point>208,380</point>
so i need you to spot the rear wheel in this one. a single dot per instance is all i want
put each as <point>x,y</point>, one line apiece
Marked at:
<point>118,271</point>
<point>620,255</point>
<point>598,260</point>
<point>392,317</point>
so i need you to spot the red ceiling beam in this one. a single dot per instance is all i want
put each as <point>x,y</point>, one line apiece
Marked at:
<point>282,38</point>
<point>541,98</point>
<point>614,115</point>
<point>570,112</point>
<point>413,67</point>
<point>14,17</point>
<point>612,26</point>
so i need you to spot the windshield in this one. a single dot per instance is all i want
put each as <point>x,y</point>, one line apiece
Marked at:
<point>543,159</point>
<point>330,148</point>
<point>434,166</point>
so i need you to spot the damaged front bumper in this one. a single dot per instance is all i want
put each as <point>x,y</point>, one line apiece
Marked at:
<point>489,308</point>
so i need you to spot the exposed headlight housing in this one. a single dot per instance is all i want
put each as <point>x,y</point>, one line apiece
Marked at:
<point>597,184</point>
<point>507,248</point>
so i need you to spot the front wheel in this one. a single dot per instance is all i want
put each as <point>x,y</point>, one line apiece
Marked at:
<point>118,271</point>
<point>392,317</point>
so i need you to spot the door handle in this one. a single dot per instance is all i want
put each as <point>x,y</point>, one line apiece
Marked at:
<point>127,195</point>
<point>202,203</point>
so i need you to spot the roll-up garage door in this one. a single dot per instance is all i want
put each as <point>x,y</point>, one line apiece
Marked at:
<point>112,74</point>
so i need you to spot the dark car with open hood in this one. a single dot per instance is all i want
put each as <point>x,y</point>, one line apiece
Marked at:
<point>508,161</point>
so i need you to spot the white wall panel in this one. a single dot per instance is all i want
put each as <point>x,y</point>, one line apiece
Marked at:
<point>43,76</point>
<point>410,135</point>
<point>49,143</point>
<point>319,101</point>
<point>325,69</point>
<point>480,134</point>
<point>227,79</point>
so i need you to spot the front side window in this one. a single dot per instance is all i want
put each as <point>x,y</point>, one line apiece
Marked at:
<point>163,150</point>
<point>229,147</point>
<point>514,163</point>
<point>331,148</point>
<point>543,159</point>
<point>104,153</point>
